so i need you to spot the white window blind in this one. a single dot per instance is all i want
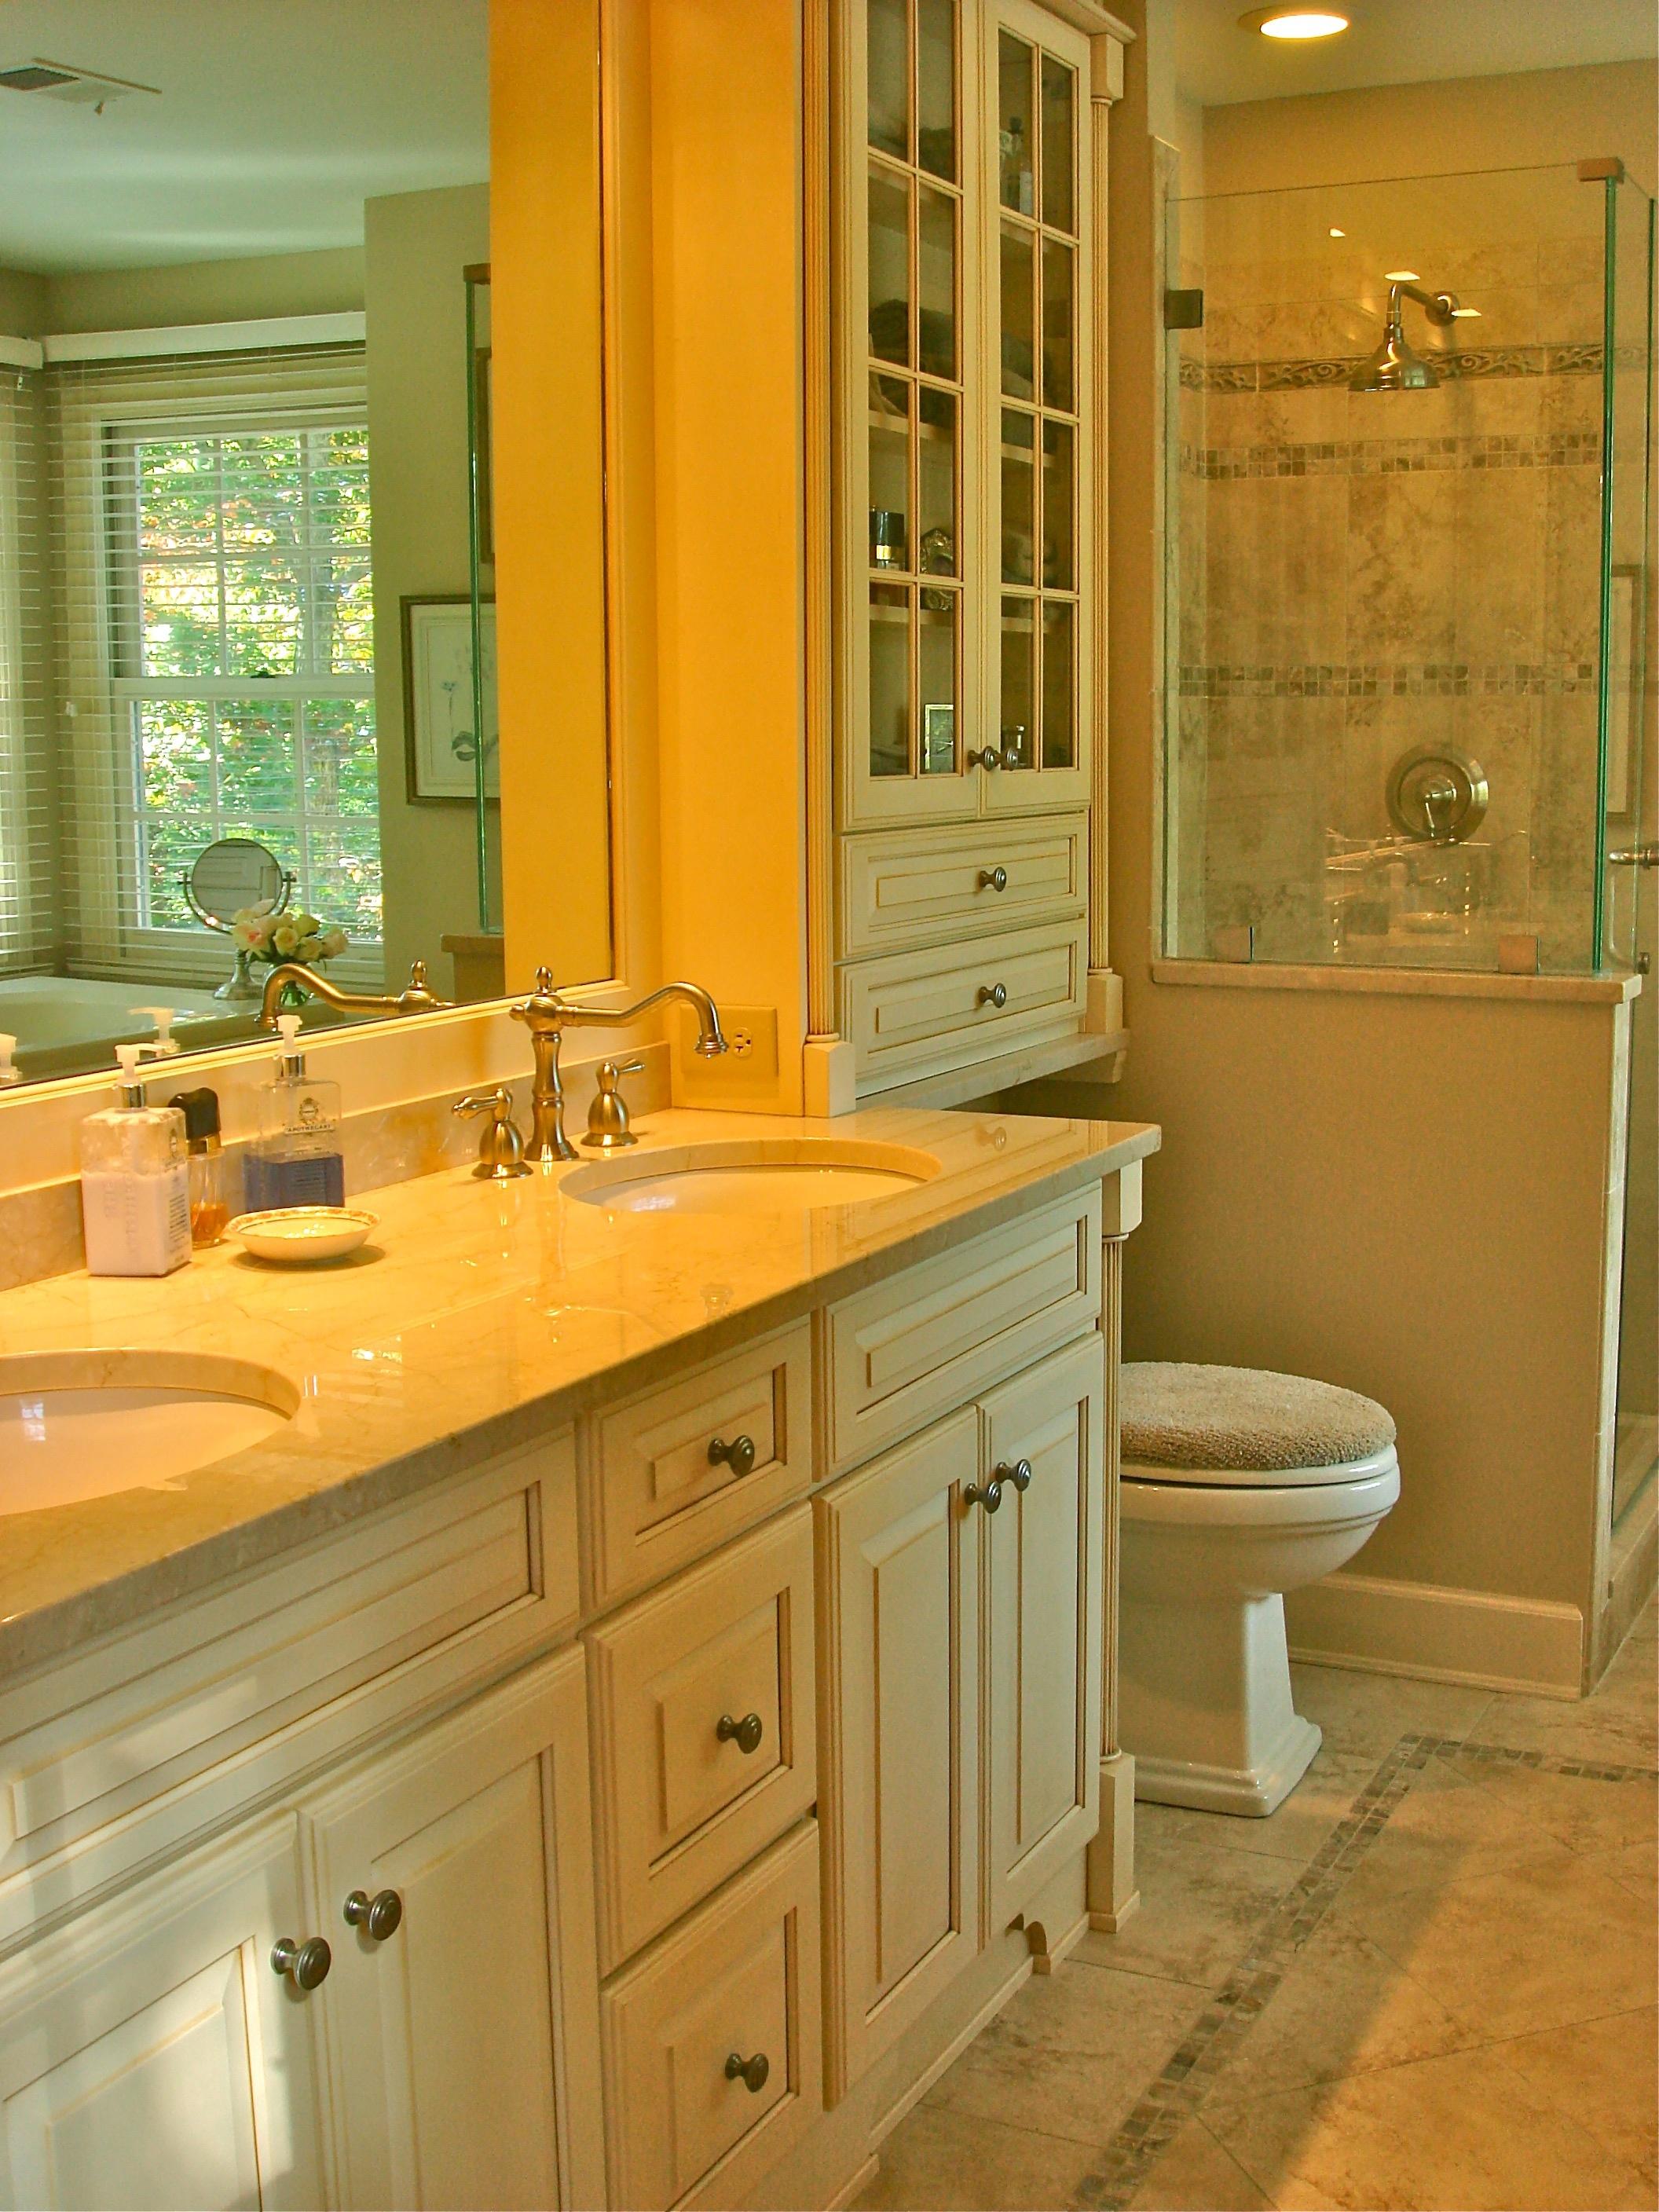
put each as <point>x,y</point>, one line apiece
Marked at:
<point>210,563</point>
<point>28,918</point>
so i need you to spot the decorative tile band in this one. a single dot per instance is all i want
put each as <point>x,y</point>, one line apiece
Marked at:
<point>1177,2094</point>
<point>1382,457</point>
<point>1441,679</point>
<point>1335,370</point>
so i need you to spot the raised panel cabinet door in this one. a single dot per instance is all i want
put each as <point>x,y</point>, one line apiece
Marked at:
<point>1042,1445</point>
<point>899,1732</point>
<point>151,2056</point>
<point>462,2017</point>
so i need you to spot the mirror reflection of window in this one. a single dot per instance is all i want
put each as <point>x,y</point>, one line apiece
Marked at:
<point>238,435</point>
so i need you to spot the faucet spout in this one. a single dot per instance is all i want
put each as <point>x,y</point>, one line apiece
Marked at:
<point>415,998</point>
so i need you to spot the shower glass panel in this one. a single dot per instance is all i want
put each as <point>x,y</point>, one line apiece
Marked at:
<point>1406,573</point>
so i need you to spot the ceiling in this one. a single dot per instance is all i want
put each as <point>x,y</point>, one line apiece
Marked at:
<point>1402,42</point>
<point>277,120</point>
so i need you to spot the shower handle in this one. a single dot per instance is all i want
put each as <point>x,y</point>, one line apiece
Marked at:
<point>1637,856</point>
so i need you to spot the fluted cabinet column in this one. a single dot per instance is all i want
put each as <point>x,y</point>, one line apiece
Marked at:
<point>1112,1893</point>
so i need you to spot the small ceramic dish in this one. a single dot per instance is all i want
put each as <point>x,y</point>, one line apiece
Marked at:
<point>299,1236</point>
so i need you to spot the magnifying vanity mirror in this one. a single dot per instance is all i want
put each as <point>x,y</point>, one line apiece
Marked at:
<point>254,373</point>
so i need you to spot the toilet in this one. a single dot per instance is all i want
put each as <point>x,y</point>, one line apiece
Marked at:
<point>1238,1485</point>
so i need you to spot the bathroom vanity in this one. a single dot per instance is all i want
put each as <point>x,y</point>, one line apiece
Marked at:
<point>637,1713</point>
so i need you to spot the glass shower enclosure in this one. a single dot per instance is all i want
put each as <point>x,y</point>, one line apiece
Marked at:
<point>1408,604</point>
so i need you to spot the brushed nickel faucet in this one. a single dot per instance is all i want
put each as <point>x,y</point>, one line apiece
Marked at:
<point>546,1015</point>
<point>414,999</point>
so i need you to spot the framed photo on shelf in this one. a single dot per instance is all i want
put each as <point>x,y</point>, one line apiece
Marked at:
<point>439,740</point>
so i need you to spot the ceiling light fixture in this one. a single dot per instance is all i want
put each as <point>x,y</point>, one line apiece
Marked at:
<point>1399,276</point>
<point>1462,314</point>
<point>1335,233</point>
<point>1294,21</point>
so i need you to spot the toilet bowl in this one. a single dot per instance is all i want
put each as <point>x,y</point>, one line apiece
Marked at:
<point>1209,1549</point>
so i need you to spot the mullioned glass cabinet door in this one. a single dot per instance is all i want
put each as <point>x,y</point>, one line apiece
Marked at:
<point>1039,366</point>
<point>909,662</point>
<point>964,372</point>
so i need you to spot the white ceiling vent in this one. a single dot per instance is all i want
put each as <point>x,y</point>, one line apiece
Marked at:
<point>79,88</point>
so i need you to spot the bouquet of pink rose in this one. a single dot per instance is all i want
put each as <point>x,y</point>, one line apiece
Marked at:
<point>274,938</point>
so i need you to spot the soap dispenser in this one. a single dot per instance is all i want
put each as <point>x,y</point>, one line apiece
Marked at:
<point>295,1159</point>
<point>135,1182</point>
<point>9,1071</point>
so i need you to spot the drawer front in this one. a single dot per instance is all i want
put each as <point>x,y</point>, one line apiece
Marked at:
<point>703,1728</point>
<point>657,1496</point>
<point>918,1013</point>
<point>925,887</point>
<point>492,1561</point>
<point>911,1348</point>
<point>739,1980</point>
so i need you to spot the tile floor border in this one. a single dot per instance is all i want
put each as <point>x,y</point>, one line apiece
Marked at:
<point>1177,2094</point>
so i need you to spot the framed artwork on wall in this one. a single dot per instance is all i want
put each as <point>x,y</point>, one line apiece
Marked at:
<point>440,739</point>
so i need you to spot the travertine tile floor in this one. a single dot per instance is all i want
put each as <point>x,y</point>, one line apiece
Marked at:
<point>1429,1980</point>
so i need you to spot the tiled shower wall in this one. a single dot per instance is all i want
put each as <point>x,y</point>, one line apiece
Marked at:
<point>1361,574</point>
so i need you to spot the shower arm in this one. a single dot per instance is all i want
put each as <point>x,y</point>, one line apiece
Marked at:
<point>1440,306</point>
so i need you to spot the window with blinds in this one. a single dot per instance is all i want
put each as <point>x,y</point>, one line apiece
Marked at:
<point>29,930</point>
<point>207,618</point>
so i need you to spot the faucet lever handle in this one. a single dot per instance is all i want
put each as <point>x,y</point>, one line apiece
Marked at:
<point>607,1113</point>
<point>500,1147</point>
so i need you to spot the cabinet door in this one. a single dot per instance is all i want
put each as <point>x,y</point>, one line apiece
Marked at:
<point>899,1723</point>
<point>1038,366</point>
<point>150,2055</point>
<point>1042,1561</point>
<point>462,2045</point>
<point>907,452</point>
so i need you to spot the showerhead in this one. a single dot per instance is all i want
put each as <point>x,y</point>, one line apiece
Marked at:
<point>1395,366</point>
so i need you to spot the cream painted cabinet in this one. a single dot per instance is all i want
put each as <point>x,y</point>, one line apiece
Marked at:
<point>461,2029</point>
<point>965,409</point>
<point>899,1702</point>
<point>148,2055</point>
<point>960,1652</point>
<point>1042,1443</point>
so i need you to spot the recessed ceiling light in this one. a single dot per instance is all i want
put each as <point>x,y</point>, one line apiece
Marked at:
<point>1399,276</point>
<point>1335,233</point>
<point>1463,315</point>
<point>1291,22</point>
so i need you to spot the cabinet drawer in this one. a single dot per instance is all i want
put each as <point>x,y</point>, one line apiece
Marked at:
<point>922,887</point>
<point>739,1980</point>
<point>327,1635</point>
<point>912,1347</point>
<point>656,1497</point>
<point>681,1804</point>
<point>919,1013</point>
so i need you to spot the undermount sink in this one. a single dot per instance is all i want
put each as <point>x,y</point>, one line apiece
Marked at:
<point>751,1175</point>
<point>79,1425</point>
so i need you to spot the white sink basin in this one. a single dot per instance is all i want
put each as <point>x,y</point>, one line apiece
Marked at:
<point>80,1424</point>
<point>750,1175</point>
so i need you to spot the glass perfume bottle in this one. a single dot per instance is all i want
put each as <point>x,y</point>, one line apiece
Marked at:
<point>295,1159</point>
<point>210,1206</point>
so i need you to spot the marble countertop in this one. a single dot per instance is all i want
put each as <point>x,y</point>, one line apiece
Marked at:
<point>478,1316</point>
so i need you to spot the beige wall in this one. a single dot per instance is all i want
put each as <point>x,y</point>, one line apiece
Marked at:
<point>22,303</point>
<point>206,292</point>
<point>1402,1195</point>
<point>417,245</point>
<point>1422,129</point>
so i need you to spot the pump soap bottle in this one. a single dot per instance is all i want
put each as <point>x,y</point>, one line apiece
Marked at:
<point>135,1182</point>
<point>296,1159</point>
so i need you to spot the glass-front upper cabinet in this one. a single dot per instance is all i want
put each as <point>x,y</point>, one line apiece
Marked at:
<point>962,389</point>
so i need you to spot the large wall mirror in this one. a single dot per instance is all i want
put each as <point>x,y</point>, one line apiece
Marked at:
<point>255,397</point>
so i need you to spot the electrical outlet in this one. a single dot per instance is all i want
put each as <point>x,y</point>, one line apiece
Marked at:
<point>748,1064</point>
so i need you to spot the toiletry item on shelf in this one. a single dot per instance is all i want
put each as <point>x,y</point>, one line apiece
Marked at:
<point>135,1182</point>
<point>295,1159</point>
<point>9,1071</point>
<point>164,1043</point>
<point>209,1208</point>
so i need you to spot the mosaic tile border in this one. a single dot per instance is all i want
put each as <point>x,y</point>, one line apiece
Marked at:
<point>1335,369</point>
<point>1382,457</point>
<point>1177,2094</point>
<point>1439,679</point>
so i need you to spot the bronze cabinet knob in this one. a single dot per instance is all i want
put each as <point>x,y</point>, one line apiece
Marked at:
<point>746,1734</point>
<point>382,1915</point>
<point>738,1455</point>
<point>305,1964</point>
<point>753,2073</point>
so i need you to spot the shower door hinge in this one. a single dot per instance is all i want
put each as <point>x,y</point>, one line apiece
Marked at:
<point>1184,310</point>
